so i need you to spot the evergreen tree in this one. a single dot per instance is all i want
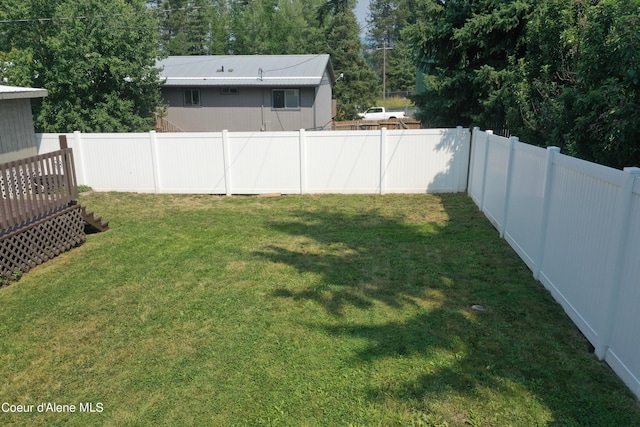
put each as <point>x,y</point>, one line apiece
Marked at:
<point>356,90</point>
<point>467,50</point>
<point>390,55</point>
<point>192,27</point>
<point>272,27</point>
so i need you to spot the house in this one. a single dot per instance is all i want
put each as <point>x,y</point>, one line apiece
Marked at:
<point>248,92</point>
<point>17,138</point>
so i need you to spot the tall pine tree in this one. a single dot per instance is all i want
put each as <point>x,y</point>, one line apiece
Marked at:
<point>356,89</point>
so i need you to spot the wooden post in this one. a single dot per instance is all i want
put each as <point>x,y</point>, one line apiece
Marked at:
<point>68,170</point>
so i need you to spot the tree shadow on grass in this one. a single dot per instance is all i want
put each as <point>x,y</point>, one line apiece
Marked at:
<point>437,271</point>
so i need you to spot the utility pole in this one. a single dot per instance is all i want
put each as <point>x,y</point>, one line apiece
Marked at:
<point>384,67</point>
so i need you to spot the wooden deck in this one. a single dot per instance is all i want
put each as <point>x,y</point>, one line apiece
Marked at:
<point>36,187</point>
<point>39,214</point>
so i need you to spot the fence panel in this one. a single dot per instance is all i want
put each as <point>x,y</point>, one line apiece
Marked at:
<point>48,142</point>
<point>343,162</point>
<point>624,346</point>
<point>264,162</point>
<point>434,160</point>
<point>201,154</point>
<point>497,160</point>
<point>477,166</point>
<point>577,263</point>
<point>523,224</point>
<point>116,162</point>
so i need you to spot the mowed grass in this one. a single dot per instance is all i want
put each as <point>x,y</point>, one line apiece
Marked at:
<point>297,311</point>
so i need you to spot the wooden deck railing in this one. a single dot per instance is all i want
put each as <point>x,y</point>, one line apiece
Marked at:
<point>164,125</point>
<point>35,187</point>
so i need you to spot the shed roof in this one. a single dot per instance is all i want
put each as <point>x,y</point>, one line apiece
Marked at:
<point>245,70</point>
<point>15,92</point>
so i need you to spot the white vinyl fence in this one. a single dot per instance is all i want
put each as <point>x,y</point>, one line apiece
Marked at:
<point>576,225</point>
<point>385,161</point>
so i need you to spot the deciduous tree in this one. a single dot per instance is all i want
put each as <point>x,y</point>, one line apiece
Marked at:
<point>95,57</point>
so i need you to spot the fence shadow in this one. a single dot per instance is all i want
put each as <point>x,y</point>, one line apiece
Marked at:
<point>365,260</point>
<point>458,147</point>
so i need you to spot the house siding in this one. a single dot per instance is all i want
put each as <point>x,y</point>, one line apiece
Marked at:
<point>17,139</point>
<point>323,103</point>
<point>248,110</point>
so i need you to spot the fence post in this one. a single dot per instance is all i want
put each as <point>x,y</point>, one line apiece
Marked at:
<point>622,237</point>
<point>488,133</point>
<point>544,216</point>
<point>303,161</point>
<point>68,169</point>
<point>154,161</point>
<point>507,185</point>
<point>383,160</point>
<point>460,165</point>
<point>227,165</point>
<point>472,160</point>
<point>77,137</point>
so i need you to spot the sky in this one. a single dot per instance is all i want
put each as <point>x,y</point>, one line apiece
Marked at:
<point>362,9</point>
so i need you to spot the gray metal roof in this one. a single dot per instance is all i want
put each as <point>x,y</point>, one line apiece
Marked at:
<point>15,92</point>
<point>245,70</point>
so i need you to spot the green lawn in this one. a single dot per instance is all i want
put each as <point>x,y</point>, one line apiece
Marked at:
<point>296,310</point>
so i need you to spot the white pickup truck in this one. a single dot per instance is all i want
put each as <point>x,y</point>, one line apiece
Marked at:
<point>380,113</point>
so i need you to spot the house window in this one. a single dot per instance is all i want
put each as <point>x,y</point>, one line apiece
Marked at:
<point>286,98</point>
<point>192,98</point>
<point>229,90</point>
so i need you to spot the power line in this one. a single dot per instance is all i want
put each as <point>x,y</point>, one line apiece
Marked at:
<point>117,15</point>
<point>99,16</point>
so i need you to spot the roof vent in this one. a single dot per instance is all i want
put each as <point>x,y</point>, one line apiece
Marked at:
<point>221,69</point>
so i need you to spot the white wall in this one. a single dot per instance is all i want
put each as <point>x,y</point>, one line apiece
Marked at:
<point>576,225</point>
<point>386,161</point>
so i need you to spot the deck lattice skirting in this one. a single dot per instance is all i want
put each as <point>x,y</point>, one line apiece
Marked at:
<point>39,214</point>
<point>42,240</point>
